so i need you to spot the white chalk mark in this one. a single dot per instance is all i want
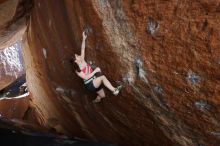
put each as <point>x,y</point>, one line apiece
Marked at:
<point>45,53</point>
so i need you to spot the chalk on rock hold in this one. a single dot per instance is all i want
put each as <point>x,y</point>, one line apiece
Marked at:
<point>88,30</point>
<point>127,79</point>
<point>141,73</point>
<point>193,78</point>
<point>152,26</point>
<point>138,63</point>
<point>158,89</point>
<point>202,105</point>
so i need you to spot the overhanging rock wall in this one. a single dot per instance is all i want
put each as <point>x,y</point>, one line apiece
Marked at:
<point>165,52</point>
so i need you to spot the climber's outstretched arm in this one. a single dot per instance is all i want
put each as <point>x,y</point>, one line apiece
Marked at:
<point>83,45</point>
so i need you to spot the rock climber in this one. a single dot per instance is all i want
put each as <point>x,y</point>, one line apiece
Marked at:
<point>92,81</point>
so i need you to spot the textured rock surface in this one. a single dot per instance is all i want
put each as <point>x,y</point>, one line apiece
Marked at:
<point>165,52</point>
<point>12,26</point>
<point>13,16</point>
<point>13,108</point>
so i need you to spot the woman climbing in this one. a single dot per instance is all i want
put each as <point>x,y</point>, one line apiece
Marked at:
<point>91,81</point>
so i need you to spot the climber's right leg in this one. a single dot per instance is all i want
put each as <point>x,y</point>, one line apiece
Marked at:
<point>102,79</point>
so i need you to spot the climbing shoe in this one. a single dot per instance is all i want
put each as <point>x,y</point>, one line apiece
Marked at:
<point>117,90</point>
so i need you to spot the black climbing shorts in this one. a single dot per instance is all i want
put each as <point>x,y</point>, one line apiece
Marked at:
<point>91,87</point>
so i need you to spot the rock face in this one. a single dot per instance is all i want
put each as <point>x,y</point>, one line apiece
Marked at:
<point>166,53</point>
<point>13,16</point>
<point>12,26</point>
<point>17,110</point>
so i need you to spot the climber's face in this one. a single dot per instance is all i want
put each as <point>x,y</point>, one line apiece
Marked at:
<point>78,59</point>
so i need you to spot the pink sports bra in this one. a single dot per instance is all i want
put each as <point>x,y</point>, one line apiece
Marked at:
<point>87,69</point>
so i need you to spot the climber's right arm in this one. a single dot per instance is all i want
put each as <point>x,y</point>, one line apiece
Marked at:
<point>83,46</point>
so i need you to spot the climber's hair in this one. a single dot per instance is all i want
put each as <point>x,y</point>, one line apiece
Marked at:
<point>76,67</point>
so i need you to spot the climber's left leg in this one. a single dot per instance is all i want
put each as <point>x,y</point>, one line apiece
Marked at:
<point>101,94</point>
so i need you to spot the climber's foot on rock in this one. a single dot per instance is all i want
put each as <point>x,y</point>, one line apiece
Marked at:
<point>117,90</point>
